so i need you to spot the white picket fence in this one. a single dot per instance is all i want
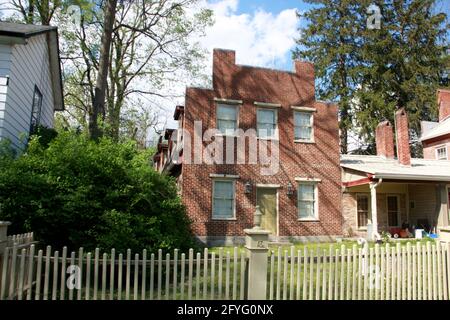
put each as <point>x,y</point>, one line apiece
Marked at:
<point>411,272</point>
<point>111,276</point>
<point>398,272</point>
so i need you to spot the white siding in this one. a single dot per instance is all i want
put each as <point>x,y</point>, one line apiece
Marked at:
<point>29,67</point>
<point>5,64</point>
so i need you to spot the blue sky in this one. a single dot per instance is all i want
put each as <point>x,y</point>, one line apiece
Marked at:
<point>267,16</point>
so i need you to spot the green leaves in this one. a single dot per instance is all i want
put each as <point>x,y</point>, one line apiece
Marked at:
<point>371,72</point>
<point>80,193</point>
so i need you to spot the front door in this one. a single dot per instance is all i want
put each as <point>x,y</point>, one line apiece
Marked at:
<point>266,199</point>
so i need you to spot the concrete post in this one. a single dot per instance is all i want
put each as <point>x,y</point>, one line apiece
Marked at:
<point>256,244</point>
<point>3,235</point>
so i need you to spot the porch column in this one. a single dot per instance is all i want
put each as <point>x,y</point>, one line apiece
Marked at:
<point>373,207</point>
<point>442,206</point>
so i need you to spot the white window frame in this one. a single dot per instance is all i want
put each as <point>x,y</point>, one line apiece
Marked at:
<point>369,211</point>
<point>311,113</point>
<point>233,182</point>
<point>228,103</point>
<point>315,184</point>
<point>440,148</point>
<point>276,135</point>
<point>399,213</point>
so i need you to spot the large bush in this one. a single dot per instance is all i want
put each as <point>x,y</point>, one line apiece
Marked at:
<point>77,192</point>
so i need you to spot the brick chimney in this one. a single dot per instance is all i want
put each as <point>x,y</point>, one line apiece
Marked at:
<point>305,69</point>
<point>224,63</point>
<point>443,99</point>
<point>402,135</point>
<point>384,136</point>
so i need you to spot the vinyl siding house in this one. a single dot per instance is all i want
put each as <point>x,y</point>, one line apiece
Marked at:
<point>30,80</point>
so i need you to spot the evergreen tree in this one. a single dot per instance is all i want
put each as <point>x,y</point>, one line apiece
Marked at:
<point>402,66</point>
<point>330,40</point>
<point>373,71</point>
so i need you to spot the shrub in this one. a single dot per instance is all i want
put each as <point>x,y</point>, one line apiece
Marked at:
<point>77,192</point>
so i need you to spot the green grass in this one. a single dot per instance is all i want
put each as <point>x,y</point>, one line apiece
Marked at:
<point>348,244</point>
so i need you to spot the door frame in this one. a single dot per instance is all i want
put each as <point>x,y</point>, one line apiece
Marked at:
<point>275,187</point>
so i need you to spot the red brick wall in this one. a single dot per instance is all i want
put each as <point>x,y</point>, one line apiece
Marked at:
<point>385,140</point>
<point>430,146</point>
<point>402,134</point>
<point>444,104</point>
<point>319,160</point>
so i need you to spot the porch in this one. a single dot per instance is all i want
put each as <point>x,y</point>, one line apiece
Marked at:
<point>393,206</point>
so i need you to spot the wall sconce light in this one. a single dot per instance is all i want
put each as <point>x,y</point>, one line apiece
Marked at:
<point>248,187</point>
<point>290,189</point>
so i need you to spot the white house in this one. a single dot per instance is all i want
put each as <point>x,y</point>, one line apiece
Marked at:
<point>30,80</point>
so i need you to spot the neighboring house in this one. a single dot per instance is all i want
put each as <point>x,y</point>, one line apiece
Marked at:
<point>302,199</point>
<point>436,135</point>
<point>387,192</point>
<point>30,80</point>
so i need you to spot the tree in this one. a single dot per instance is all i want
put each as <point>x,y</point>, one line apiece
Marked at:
<point>402,66</point>
<point>151,49</point>
<point>98,105</point>
<point>330,40</point>
<point>76,192</point>
<point>372,71</point>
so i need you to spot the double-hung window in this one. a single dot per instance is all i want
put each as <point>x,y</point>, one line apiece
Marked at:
<point>363,208</point>
<point>266,123</point>
<point>303,126</point>
<point>227,116</point>
<point>307,201</point>
<point>36,109</point>
<point>441,153</point>
<point>223,199</point>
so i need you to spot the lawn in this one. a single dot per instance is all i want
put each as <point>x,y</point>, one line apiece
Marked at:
<point>348,244</point>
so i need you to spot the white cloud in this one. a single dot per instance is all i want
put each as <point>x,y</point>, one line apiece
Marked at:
<point>260,38</point>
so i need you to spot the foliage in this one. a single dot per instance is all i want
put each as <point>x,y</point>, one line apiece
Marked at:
<point>373,71</point>
<point>45,135</point>
<point>81,193</point>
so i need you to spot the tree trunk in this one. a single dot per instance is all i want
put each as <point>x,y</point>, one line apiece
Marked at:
<point>98,107</point>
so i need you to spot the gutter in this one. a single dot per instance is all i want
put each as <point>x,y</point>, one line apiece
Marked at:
<point>411,177</point>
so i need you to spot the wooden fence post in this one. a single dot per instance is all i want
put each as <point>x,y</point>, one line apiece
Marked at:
<point>256,244</point>
<point>3,235</point>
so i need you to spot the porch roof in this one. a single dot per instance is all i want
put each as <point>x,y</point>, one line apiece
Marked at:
<point>379,167</point>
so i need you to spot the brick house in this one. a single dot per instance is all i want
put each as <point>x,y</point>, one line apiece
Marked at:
<point>436,135</point>
<point>315,193</point>
<point>300,198</point>
<point>385,193</point>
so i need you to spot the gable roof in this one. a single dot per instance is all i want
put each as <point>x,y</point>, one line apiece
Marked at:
<point>438,130</point>
<point>11,29</point>
<point>18,33</point>
<point>379,167</point>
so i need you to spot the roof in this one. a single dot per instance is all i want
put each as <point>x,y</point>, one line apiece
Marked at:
<point>11,29</point>
<point>439,129</point>
<point>18,33</point>
<point>379,167</point>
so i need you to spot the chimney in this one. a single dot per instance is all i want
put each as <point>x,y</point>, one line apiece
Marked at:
<point>402,135</point>
<point>305,71</point>
<point>443,99</point>
<point>224,62</point>
<point>384,136</point>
